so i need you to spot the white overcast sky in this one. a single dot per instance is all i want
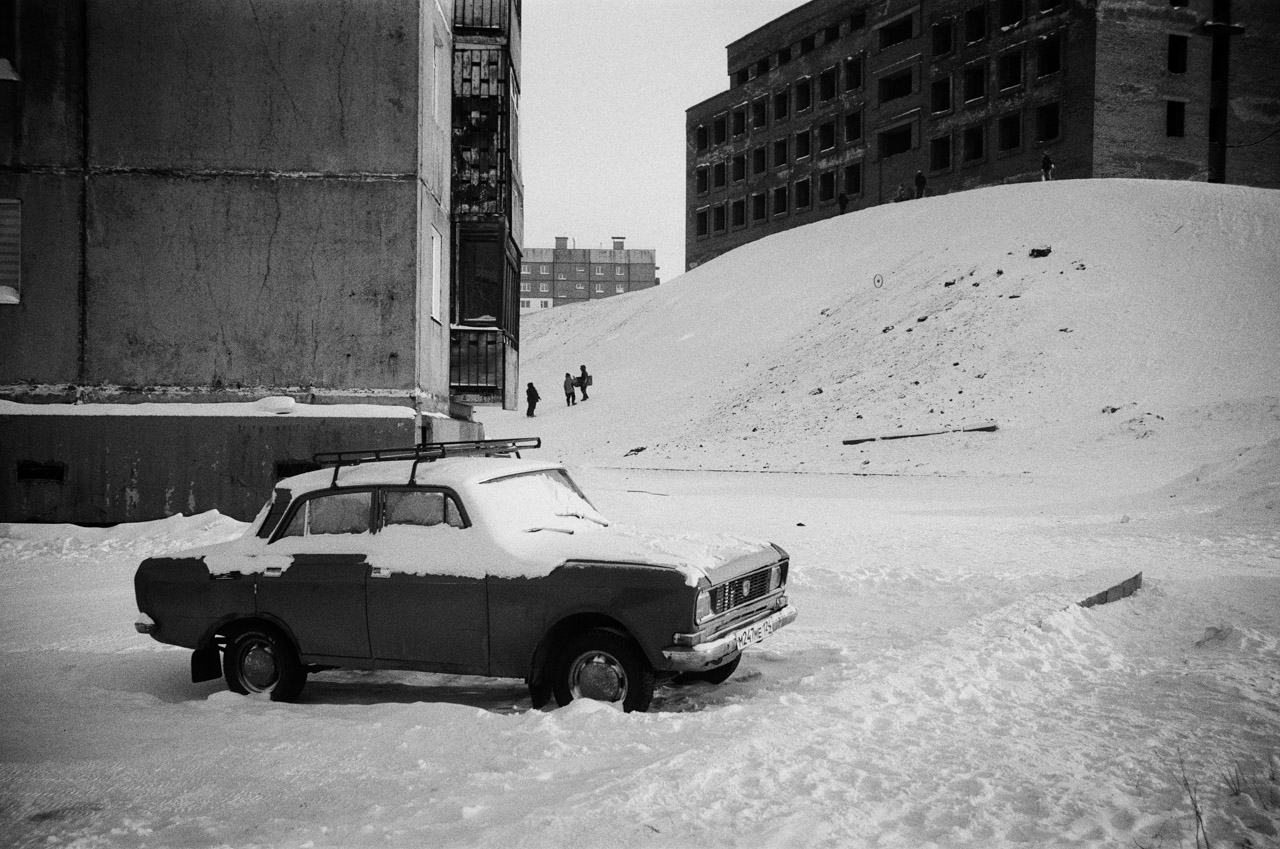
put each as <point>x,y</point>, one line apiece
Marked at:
<point>605,86</point>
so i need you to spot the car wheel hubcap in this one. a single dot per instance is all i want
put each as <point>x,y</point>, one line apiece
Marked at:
<point>259,667</point>
<point>599,676</point>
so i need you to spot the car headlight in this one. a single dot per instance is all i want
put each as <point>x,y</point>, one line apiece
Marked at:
<point>703,610</point>
<point>775,576</point>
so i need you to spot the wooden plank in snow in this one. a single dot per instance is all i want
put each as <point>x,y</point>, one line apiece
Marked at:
<point>987,427</point>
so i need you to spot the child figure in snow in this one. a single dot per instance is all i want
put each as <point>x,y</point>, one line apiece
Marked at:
<point>568,390</point>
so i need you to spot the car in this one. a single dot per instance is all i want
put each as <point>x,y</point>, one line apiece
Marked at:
<point>462,558</point>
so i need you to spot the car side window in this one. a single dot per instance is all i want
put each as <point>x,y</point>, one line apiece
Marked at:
<point>332,513</point>
<point>423,509</point>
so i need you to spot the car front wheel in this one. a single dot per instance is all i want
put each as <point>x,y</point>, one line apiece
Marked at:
<point>262,660</point>
<point>604,666</point>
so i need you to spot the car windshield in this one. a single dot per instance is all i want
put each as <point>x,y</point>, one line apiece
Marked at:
<point>540,500</point>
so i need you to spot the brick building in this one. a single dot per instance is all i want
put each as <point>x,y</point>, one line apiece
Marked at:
<point>553,277</point>
<point>837,105</point>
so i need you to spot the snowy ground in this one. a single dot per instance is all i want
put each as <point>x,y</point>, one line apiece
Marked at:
<point>940,688</point>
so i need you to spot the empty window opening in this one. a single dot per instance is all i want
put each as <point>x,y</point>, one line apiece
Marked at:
<point>804,94</point>
<point>10,252</point>
<point>857,21</point>
<point>784,56</point>
<point>1050,5</point>
<point>1009,70</point>
<point>1048,122</point>
<point>759,113</point>
<point>717,175</point>
<point>1011,12</point>
<point>831,33</point>
<point>802,194</point>
<point>975,24</point>
<point>738,213</point>
<point>940,153</point>
<point>762,67</point>
<point>780,200</point>
<point>1175,118</point>
<point>1009,132</point>
<point>1049,56</point>
<point>897,32</point>
<point>826,186</point>
<point>896,85</point>
<point>895,141</point>
<point>700,223</point>
<point>1178,54</point>
<point>975,82</point>
<point>759,207</point>
<point>702,180</point>
<point>32,471</point>
<point>739,168</point>
<point>827,136</point>
<point>759,161</point>
<point>971,144</point>
<point>853,73</point>
<point>940,95</point>
<point>943,37</point>
<point>717,218</point>
<point>780,102</point>
<point>703,138</point>
<point>853,126</point>
<point>807,44</point>
<point>718,127</point>
<point>827,84</point>
<point>803,142</point>
<point>779,153</point>
<point>853,179</point>
<point>739,122</point>
<point>741,76</point>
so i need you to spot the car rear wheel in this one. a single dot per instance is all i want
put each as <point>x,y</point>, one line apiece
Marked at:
<point>262,660</point>
<point>604,666</point>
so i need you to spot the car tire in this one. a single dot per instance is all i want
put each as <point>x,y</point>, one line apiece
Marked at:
<point>602,665</point>
<point>262,660</point>
<point>711,676</point>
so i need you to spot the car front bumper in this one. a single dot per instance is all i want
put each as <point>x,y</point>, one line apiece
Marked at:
<point>715,652</point>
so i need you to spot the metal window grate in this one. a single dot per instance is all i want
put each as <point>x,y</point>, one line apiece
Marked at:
<point>10,251</point>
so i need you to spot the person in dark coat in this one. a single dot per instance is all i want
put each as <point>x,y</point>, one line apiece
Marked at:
<point>583,381</point>
<point>920,184</point>
<point>1046,169</point>
<point>568,390</point>
<point>531,395</point>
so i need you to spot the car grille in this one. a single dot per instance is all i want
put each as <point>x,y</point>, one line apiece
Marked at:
<point>739,591</point>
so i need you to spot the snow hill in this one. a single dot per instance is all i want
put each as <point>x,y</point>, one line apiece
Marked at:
<point>1121,333</point>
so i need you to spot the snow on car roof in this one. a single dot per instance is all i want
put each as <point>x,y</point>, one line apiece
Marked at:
<point>451,472</point>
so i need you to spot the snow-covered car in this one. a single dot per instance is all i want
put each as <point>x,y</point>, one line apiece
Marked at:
<point>461,558</point>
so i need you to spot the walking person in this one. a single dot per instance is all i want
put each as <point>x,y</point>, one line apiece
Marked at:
<point>1046,169</point>
<point>583,381</point>
<point>920,184</point>
<point>531,395</point>
<point>569,399</point>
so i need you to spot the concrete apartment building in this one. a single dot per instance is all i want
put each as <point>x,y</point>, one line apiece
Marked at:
<point>221,202</point>
<point>837,105</point>
<point>554,277</point>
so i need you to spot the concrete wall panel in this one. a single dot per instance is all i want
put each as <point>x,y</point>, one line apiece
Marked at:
<point>40,118</point>
<point>263,85</point>
<point>251,282</point>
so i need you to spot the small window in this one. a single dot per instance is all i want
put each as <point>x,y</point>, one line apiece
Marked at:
<point>853,179</point>
<point>857,21</point>
<point>827,135</point>
<point>1050,5</point>
<point>580,286</point>
<point>741,76</point>
<point>702,137</point>
<point>896,85</point>
<point>599,289</point>
<point>1178,54</point>
<point>599,270</point>
<point>739,118</point>
<point>759,161</point>
<point>826,186</point>
<point>974,82</point>
<point>831,33</point>
<point>940,153</point>
<point>562,276</point>
<point>702,180</point>
<point>975,24</point>
<point>1011,12</point>
<point>784,56</point>
<point>940,95</point>
<point>1009,70</point>
<point>827,84</point>
<point>1009,133</point>
<point>420,509</point>
<point>759,113</point>
<point>717,218</point>
<point>32,471</point>
<point>700,224</point>
<point>718,175</point>
<point>972,144</point>
<point>943,37</point>
<point>807,44</point>
<point>739,172</point>
<point>780,200</point>
<point>804,94</point>
<point>895,141</point>
<point>853,127</point>
<point>738,213</point>
<point>762,67</point>
<point>803,141</point>
<point>332,513</point>
<point>759,207</point>
<point>897,32</point>
<point>1175,118</point>
<point>619,288</point>
<point>1049,56</point>
<point>1048,122</point>
<point>853,73</point>
<point>718,130</point>
<point>10,252</point>
<point>779,153</point>
<point>781,101</point>
<point>802,194</point>
<point>526,286</point>
<point>544,287</point>
<point>542,269</point>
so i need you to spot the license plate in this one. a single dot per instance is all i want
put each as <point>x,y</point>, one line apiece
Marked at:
<point>753,634</point>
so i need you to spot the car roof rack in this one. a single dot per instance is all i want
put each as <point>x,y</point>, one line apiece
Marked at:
<point>426,453</point>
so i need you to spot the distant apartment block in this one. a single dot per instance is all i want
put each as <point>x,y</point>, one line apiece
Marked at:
<point>837,105</point>
<point>553,277</point>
